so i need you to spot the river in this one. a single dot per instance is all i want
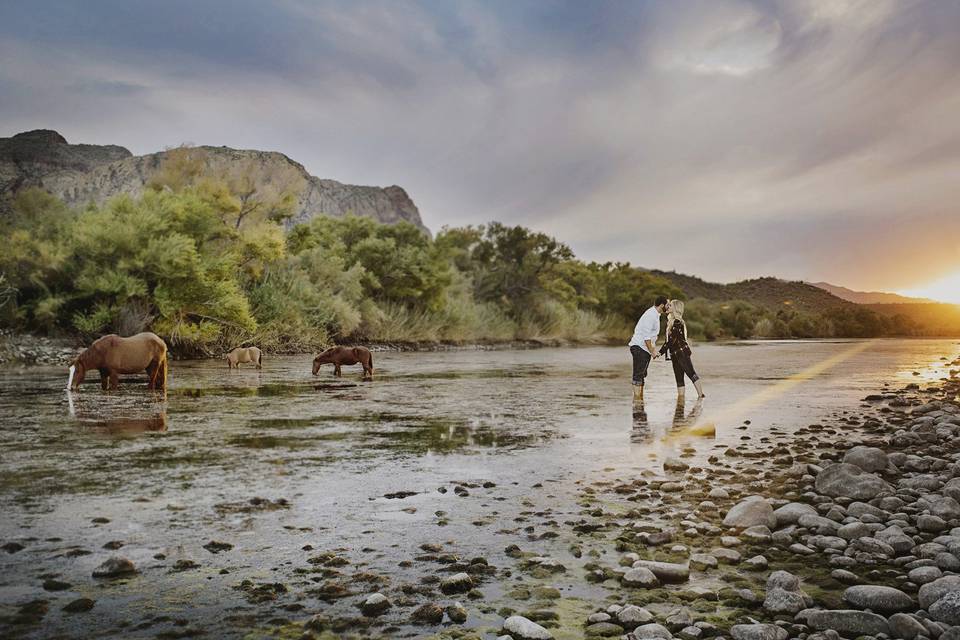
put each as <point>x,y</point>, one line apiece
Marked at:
<point>469,450</point>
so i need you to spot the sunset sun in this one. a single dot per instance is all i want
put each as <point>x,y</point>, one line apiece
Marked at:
<point>946,289</point>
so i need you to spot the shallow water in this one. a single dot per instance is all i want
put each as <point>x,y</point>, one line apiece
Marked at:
<point>522,431</point>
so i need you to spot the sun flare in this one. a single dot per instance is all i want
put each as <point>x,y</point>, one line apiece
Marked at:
<point>945,289</point>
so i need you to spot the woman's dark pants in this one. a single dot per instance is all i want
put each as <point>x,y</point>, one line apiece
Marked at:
<point>682,364</point>
<point>641,360</point>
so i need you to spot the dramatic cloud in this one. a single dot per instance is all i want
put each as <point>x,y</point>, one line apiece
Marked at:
<point>813,140</point>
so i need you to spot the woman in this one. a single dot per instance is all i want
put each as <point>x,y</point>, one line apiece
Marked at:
<point>679,349</point>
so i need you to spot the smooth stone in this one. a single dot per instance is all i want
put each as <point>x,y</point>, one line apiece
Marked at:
<point>640,577</point>
<point>867,458</point>
<point>878,598</point>
<point>947,609</point>
<point>933,591</point>
<point>790,513</point>
<point>652,630</point>
<point>457,613</point>
<point>632,616</point>
<point>750,512</point>
<point>756,563</point>
<point>457,583</point>
<point>848,622</point>
<point>850,481</point>
<point>604,630</point>
<point>703,561</point>
<point>520,628</point>
<point>375,604</point>
<point>665,571</point>
<point>758,631</point>
<point>923,575</point>
<point>905,626</point>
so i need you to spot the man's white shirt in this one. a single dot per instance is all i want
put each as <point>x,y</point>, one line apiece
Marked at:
<point>648,328</point>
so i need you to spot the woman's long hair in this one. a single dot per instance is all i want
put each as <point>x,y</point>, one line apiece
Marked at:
<point>676,313</point>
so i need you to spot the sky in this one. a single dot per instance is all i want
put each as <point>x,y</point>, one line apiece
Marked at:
<point>805,139</point>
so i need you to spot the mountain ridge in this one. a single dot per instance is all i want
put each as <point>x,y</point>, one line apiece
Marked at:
<point>80,173</point>
<point>869,297</point>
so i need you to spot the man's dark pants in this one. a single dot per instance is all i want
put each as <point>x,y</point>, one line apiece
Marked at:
<point>641,360</point>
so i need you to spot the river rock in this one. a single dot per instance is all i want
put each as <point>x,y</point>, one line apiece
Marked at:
<point>758,632</point>
<point>753,511</point>
<point>867,458</point>
<point>703,561</point>
<point>850,481</point>
<point>375,604</point>
<point>114,568</point>
<point>790,513</point>
<point>923,575</point>
<point>947,609</point>
<point>665,571</point>
<point>457,583</point>
<point>783,593</point>
<point>632,616</point>
<point>848,623</point>
<point>933,591</point>
<point>640,577</point>
<point>520,628</point>
<point>878,598</point>
<point>427,613</point>
<point>905,626</point>
<point>457,613</point>
<point>652,630</point>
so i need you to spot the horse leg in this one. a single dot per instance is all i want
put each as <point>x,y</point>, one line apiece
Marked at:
<point>152,375</point>
<point>104,377</point>
<point>336,371</point>
<point>162,372</point>
<point>114,380</point>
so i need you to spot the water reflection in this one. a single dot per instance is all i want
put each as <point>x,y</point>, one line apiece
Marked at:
<point>682,423</point>
<point>119,414</point>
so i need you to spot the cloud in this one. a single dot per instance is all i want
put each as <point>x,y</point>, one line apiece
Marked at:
<point>720,138</point>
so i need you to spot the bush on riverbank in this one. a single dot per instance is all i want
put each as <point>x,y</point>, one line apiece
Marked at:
<point>205,262</point>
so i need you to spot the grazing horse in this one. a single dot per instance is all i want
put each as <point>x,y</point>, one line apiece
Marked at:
<point>345,355</point>
<point>112,355</point>
<point>244,354</point>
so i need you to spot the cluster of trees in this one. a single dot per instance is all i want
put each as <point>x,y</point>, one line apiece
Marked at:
<point>204,260</point>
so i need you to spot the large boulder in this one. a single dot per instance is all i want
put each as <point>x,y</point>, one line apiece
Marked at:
<point>751,512</point>
<point>867,458</point>
<point>878,598</point>
<point>848,623</point>
<point>933,591</point>
<point>843,480</point>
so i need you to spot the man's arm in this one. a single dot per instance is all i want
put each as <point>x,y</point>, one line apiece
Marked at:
<point>652,349</point>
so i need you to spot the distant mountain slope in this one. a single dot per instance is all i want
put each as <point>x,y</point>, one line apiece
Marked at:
<point>769,292</point>
<point>868,297</point>
<point>80,173</point>
<point>933,319</point>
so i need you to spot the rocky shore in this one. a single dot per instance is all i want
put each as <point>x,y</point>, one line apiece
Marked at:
<point>847,530</point>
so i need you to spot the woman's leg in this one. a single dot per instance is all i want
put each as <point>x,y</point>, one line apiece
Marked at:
<point>678,374</point>
<point>692,374</point>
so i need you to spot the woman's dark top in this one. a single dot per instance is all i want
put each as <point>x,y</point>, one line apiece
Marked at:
<point>677,341</point>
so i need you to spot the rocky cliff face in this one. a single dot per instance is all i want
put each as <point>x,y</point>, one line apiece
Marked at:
<point>80,173</point>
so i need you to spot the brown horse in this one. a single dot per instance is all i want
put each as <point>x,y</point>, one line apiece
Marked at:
<point>345,355</point>
<point>112,355</point>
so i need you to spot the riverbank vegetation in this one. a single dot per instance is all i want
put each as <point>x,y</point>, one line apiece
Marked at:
<point>206,262</point>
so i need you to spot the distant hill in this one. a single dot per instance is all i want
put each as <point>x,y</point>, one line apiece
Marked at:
<point>772,293</point>
<point>81,173</point>
<point>932,319</point>
<point>869,297</point>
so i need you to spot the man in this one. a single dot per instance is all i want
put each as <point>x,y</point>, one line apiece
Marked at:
<point>643,344</point>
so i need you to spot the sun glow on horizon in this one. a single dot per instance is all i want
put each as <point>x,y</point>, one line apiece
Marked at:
<point>945,289</point>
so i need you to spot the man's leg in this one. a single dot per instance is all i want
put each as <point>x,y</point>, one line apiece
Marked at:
<point>641,360</point>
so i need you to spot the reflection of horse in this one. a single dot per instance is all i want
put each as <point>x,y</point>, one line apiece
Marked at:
<point>115,417</point>
<point>345,356</point>
<point>112,355</point>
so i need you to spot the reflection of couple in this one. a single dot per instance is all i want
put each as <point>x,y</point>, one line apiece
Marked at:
<point>644,341</point>
<point>681,420</point>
